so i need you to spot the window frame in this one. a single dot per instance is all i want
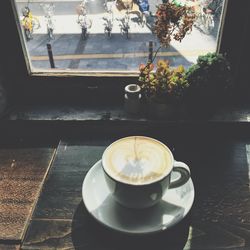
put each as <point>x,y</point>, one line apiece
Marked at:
<point>98,88</point>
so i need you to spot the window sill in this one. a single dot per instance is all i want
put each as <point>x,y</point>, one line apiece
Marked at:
<point>230,114</point>
<point>59,122</point>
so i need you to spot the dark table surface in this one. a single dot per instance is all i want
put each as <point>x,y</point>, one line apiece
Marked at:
<point>219,218</point>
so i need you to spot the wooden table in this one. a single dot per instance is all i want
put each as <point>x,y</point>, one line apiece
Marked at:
<point>219,218</point>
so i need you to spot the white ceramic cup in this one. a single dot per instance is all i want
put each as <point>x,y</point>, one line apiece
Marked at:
<point>133,91</point>
<point>138,170</point>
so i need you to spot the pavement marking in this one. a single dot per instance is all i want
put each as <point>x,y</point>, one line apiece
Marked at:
<point>121,55</point>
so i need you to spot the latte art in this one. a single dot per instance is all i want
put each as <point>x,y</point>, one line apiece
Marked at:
<point>137,160</point>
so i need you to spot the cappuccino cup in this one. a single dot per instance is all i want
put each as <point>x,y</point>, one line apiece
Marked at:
<point>138,169</point>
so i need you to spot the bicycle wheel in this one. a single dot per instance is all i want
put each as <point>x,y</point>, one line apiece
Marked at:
<point>28,35</point>
<point>127,34</point>
<point>109,33</point>
<point>198,20</point>
<point>143,20</point>
<point>209,23</point>
<point>35,23</point>
<point>84,33</point>
<point>218,12</point>
<point>50,34</point>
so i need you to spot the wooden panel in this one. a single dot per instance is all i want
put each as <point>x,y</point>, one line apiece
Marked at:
<point>22,174</point>
<point>62,190</point>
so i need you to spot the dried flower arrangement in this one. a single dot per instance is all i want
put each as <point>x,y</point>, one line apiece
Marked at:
<point>166,85</point>
<point>173,22</point>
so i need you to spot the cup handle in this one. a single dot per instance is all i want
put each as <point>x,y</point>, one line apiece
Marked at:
<point>184,171</point>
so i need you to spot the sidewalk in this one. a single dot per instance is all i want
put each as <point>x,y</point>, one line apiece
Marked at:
<point>67,24</point>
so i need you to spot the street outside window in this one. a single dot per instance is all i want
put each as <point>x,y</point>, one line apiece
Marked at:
<point>109,35</point>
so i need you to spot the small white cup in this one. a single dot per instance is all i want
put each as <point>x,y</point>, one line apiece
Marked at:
<point>132,91</point>
<point>132,99</point>
<point>138,171</point>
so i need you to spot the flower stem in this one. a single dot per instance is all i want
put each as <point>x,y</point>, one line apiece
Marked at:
<point>156,52</point>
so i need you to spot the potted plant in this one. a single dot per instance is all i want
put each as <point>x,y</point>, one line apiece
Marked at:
<point>210,83</point>
<point>163,89</point>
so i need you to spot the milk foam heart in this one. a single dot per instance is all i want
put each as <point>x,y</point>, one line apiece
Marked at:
<point>137,160</point>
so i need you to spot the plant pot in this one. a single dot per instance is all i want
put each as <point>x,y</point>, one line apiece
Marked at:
<point>162,110</point>
<point>132,99</point>
<point>202,108</point>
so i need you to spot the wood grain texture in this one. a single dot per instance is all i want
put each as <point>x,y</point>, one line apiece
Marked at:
<point>220,215</point>
<point>9,247</point>
<point>22,174</point>
<point>219,218</point>
<point>62,190</point>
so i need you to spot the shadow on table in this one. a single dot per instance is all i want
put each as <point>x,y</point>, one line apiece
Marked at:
<point>89,234</point>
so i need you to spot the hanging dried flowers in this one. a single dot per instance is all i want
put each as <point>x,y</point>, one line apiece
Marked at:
<point>173,22</point>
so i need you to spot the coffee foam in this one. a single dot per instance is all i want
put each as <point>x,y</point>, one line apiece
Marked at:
<point>137,160</point>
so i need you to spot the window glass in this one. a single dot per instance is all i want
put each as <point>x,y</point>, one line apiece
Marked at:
<point>109,35</point>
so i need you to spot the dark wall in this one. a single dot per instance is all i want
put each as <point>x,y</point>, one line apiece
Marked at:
<point>236,40</point>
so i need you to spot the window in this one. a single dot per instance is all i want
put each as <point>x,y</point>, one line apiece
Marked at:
<point>38,82</point>
<point>109,36</point>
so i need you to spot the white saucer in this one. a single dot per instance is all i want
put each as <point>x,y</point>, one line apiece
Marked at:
<point>173,207</point>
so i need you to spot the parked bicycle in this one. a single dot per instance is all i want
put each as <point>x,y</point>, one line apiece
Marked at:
<point>82,19</point>
<point>109,18</point>
<point>29,23</point>
<point>85,24</point>
<point>124,25</point>
<point>213,7</point>
<point>49,13</point>
<point>209,15</point>
<point>108,25</point>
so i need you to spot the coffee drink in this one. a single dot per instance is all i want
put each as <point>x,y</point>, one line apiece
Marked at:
<point>137,160</point>
<point>137,170</point>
